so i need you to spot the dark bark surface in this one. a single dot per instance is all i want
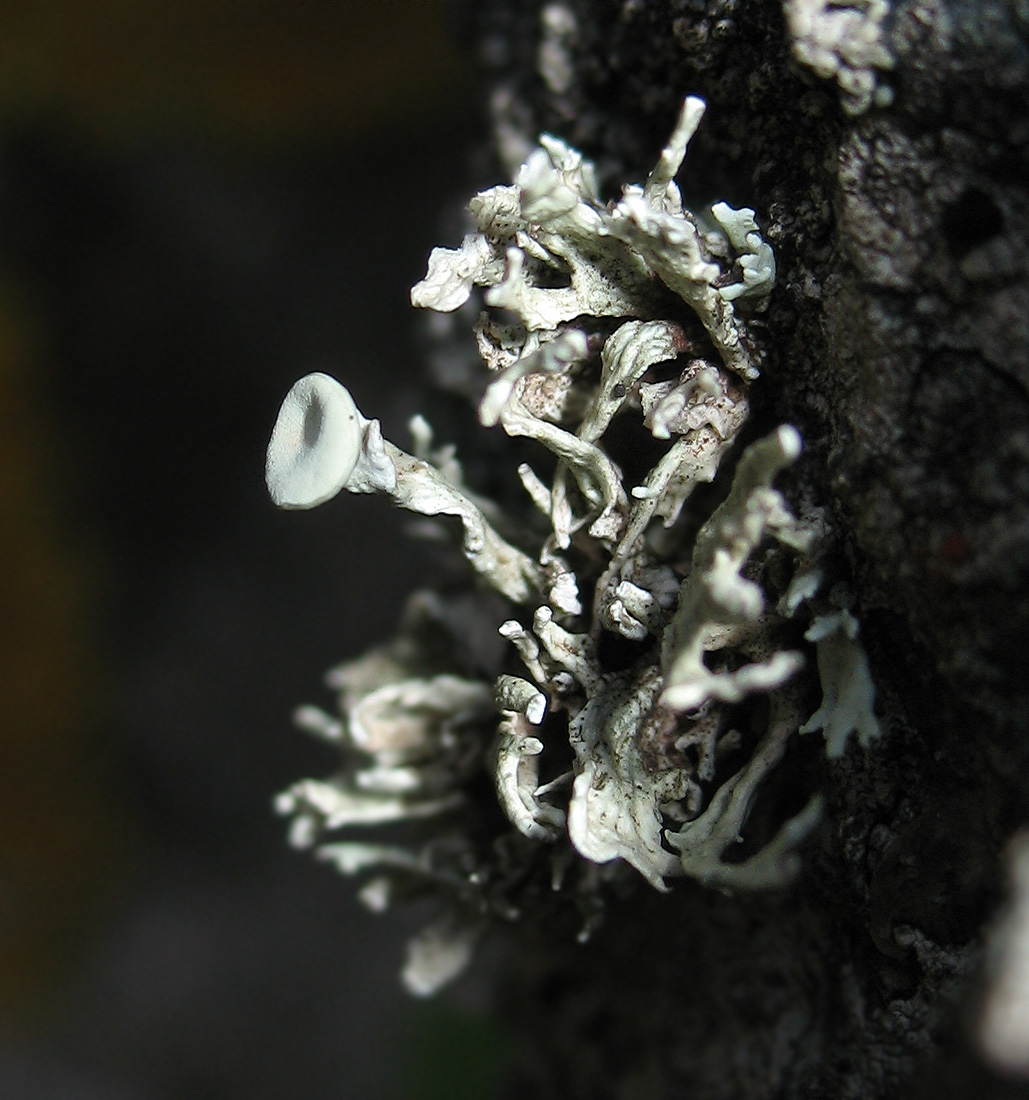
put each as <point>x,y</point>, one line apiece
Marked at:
<point>897,340</point>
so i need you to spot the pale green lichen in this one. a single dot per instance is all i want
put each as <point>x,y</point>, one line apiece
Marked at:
<point>319,428</point>
<point>630,312</point>
<point>614,258</point>
<point>845,40</point>
<point>848,691</point>
<point>1002,1026</point>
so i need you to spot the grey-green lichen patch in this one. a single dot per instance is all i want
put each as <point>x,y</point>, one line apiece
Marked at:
<point>1002,1029</point>
<point>848,691</point>
<point>615,259</point>
<point>655,667</point>
<point>845,41</point>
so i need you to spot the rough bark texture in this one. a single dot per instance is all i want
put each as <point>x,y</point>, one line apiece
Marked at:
<point>897,340</point>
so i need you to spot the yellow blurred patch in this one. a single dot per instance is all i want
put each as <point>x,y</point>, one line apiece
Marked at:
<point>251,71</point>
<point>61,848</point>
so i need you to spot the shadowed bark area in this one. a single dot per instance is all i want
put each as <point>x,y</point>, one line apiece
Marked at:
<point>897,340</point>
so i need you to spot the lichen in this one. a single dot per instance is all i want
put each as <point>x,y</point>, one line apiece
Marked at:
<point>1002,1027</point>
<point>848,691</point>
<point>654,671</point>
<point>846,40</point>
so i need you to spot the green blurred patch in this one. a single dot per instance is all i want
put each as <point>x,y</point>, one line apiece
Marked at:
<point>454,1054</point>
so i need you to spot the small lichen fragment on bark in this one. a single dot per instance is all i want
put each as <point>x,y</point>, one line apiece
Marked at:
<point>845,41</point>
<point>848,691</point>
<point>1002,1029</point>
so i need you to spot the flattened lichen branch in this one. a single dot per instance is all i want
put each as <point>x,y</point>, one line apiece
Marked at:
<point>321,444</point>
<point>716,602</point>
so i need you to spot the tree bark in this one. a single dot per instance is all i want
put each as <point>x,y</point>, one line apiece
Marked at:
<point>897,340</point>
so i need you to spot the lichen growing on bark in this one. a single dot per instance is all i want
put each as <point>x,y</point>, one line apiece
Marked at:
<point>656,668</point>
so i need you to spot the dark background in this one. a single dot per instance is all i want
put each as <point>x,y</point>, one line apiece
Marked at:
<point>199,202</point>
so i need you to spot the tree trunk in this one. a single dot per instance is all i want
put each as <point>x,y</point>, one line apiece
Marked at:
<point>888,166</point>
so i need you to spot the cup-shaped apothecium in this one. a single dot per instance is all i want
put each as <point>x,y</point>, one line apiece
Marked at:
<point>315,443</point>
<point>321,444</point>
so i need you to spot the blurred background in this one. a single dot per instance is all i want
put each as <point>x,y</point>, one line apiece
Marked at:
<point>200,202</point>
